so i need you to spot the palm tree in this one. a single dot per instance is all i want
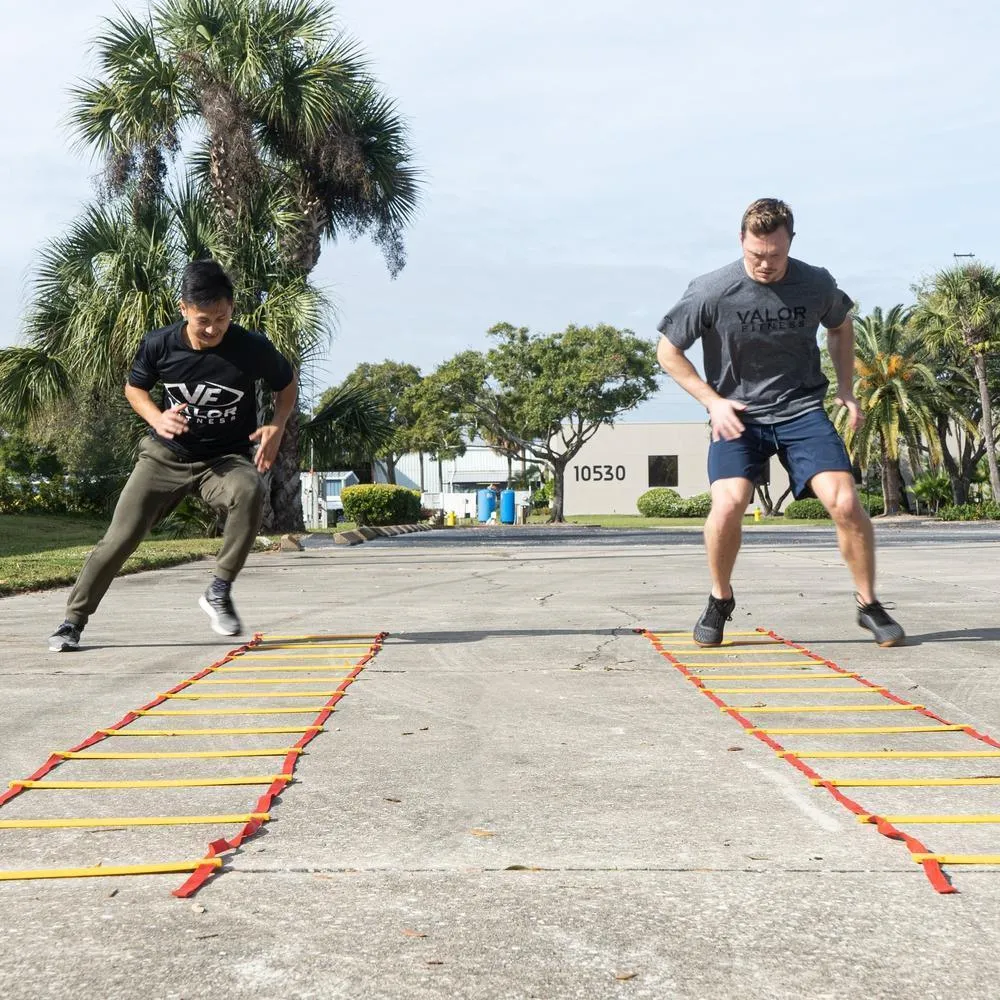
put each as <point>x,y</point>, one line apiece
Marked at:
<point>288,115</point>
<point>897,391</point>
<point>112,277</point>
<point>960,308</point>
<point>348,427</point>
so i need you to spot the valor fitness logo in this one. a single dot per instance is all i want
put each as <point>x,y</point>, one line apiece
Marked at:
<point>785,318</point>
<point>208,402</point>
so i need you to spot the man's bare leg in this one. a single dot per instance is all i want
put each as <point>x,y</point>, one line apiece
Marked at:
<point>835,490</point>
<point>724,531</point>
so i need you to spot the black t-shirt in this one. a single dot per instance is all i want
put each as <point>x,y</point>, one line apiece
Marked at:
<point>217,384</point>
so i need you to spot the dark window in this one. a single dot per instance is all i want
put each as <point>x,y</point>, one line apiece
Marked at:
<point>662,470</point>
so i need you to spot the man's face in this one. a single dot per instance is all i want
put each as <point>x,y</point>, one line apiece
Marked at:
<point>207,325</point>
<point>765,258</point>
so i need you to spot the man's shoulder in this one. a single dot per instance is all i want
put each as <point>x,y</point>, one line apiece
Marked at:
<point>241,336</point>
<point>809,273</point>
<point>721,280</point>
<point>164,335</point>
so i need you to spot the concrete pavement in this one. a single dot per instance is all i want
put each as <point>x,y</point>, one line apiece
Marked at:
<point>519,798</point>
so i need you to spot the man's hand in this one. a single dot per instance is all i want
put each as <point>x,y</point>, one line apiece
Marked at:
<point>171,422</point>
<point>268,438</point>
<point>724,417</point>
<point>855,417</point>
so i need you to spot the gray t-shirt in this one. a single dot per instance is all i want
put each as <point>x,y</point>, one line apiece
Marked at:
<point>759,340</point>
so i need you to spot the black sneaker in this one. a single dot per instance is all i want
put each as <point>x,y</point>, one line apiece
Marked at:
<point>708,630</point>
<point>65,638</point>
<point>219,607</point>
<point>880,623</point>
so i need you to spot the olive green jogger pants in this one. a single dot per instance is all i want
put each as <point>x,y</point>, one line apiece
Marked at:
<point>157,484</point>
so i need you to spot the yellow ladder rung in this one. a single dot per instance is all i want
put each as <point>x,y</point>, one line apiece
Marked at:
<point>854,730</point>
<point>313,710</point>
<point>687,635</point>
<point>318,668</point>
<point>264,779</point>
<point>259,731</point>
<point>716,664</point>
<point>102,870</point>
<point>959,859</point>
<point>311,638</point>
<point>714,651</point>
<point>260,680</point>
<point>780,677</point>
<point>302,658</point>
<point>176,754</point>
<point>821,708</point>
<point>239,695</point>
<point>903,782</point>
<point>310,645</point>
<point>98,822</point>
<point>854,689</point>
<point>949,818</point>
<point>893,754</point>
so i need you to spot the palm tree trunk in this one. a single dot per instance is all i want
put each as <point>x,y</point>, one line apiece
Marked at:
<point>890,481</point>
<point>986,426</point>
<point>285,483</point>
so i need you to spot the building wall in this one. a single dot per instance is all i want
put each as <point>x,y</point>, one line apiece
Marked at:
<point>612,470</point>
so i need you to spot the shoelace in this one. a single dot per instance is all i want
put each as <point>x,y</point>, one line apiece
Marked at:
<point>878,612</point>
<point>716,613</point>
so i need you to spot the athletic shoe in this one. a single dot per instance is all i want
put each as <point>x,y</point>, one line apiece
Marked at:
<point>219,607</point>
<point>708,630</point>
<point>66,637</point>
<point>877,620</point>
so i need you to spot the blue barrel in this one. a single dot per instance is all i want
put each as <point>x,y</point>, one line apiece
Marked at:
<point>487,503</point>
<point>507,507</point>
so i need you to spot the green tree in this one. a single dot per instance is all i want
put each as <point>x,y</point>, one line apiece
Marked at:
<point>960,309</point>
<point>549,394</point>
<point>438,428</point>
<point>391,384</point>
<point>898,392</point>
<point>289,123</point>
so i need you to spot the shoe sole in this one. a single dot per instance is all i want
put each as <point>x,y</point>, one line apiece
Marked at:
<point>216,627</point>
<point>63,647</point>
<point>706,645</point>
<point>892,642</point>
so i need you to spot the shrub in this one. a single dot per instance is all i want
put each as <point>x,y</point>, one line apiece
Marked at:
<point>380,503</point>
<point>872,502</point>
<point>541,499</point>
<point>660,501</point>
<point>698,506</point>
<point>806,510</point>
<point>988,511</point>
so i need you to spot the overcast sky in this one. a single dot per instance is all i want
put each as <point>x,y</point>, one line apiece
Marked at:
<point>585,159</point>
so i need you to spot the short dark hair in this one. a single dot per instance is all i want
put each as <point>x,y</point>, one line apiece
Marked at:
<point>205,282</point>
<point>766,216</point>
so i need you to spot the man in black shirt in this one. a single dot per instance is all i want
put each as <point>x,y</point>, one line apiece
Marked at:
<point>199,442</point>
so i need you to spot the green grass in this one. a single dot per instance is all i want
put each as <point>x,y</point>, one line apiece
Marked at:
<point>38,552</point>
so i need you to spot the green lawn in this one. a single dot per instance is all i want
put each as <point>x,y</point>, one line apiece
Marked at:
<point>38,551</point>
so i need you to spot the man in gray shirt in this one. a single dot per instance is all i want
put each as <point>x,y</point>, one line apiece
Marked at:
<point>764,387</point>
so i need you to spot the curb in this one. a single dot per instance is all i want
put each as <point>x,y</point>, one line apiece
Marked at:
<point>366,533</point>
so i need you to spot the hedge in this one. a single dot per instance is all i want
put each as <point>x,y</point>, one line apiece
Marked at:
<point>380,503</point>
<point>970,512</point>
<point>806,510</point>
<point>660,501</point>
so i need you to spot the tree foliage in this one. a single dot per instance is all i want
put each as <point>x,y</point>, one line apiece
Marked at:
<point>548,393</point>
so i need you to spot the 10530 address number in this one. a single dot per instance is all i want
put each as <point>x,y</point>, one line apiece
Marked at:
<point>598,473</point>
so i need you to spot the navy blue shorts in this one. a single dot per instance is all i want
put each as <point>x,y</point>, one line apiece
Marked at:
<point>804,445</point>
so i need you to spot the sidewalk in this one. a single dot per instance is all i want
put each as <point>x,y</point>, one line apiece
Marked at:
<point>519,798</point>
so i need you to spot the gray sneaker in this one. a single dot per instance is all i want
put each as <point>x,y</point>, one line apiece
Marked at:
<point>709,628</point>
<point>219,607</point>
<point>65,638</point>
<point>874,617</point>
